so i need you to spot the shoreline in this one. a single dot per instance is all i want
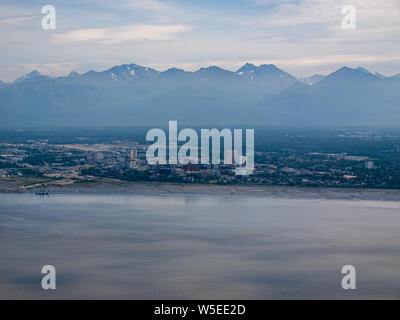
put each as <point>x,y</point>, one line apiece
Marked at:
<point>112,186</point>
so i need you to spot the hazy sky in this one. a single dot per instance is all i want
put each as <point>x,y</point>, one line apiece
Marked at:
<point>301,36</point>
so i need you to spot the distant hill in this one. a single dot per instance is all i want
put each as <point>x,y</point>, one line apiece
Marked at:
<point>347,96</point>
<point>32,76</point>
<point>130,94</point>
<point>312,80</point>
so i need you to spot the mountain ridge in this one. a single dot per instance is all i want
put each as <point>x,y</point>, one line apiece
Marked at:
<point>248,70</point>
<point>130,94</point>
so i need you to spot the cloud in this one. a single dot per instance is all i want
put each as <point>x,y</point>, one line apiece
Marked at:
<point>301,12</point>
<point>330,60</point>
<point>301,35</point>
<point>320,21</point>
<point>268,2</point>
<point>133,32</point>
<point>153,5</point>
<point>15,20</point>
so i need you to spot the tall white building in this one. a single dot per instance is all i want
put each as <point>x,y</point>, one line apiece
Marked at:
<point>133,159</point>
<point>133,154</point>
<point>369,164</point>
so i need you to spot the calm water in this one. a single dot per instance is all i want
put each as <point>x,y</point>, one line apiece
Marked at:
<point>197,247</point>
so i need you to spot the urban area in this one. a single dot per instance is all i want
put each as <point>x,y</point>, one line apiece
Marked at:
<point>63,164</point>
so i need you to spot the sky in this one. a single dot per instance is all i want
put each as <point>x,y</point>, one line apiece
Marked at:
<point>302,37</point>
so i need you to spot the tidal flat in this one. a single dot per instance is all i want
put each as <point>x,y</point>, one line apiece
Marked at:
<point>159,241</point>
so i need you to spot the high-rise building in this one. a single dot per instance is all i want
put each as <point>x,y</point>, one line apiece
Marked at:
<point>369,164</point>
<point>99,156</point>
<point>133,154</point>
<point>132,162</point>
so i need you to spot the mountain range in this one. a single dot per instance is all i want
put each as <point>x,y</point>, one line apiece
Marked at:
<point>130,94</point>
